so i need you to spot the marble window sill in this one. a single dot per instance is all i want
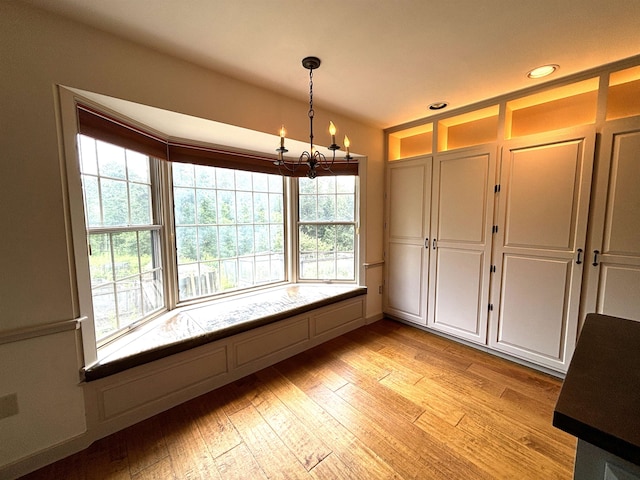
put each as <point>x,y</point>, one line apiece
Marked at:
<point>192,326</point>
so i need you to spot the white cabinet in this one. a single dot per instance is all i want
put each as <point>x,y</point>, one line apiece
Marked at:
<point>461,227</point>
<point>408,207</point>
<point>539,248</point>
<point>613,257</point>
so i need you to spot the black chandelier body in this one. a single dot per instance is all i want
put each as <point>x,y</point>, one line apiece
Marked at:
<point>312,158</point>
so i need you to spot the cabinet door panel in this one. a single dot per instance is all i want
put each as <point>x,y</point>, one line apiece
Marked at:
<point>619,291</point>
<point>542,195</point>
<point>462,201</point>
<point>533,310</point>
<point>540,246</point>
<point>458,283</point>
<point>408,202</point>
<point>462,207</point>
<point>613,274</point>
<point>405,287</point>
<point>622,229</point>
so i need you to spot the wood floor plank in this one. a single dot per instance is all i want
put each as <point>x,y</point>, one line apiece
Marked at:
<point>299,439</point>
<point>384,401</point>
<point>190,457</point>
<point>360,460</point>
<point>216,429</point>
<point>421,446</point>
<point>145,444</point>
<point>273,456</point>
<point>160,470</point>
<point>239,464</point>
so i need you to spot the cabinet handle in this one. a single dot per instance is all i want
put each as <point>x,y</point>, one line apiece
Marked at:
<point>595,257</point>
<point>426,243</point>
<point>434,243</point>
<point>579,259</point>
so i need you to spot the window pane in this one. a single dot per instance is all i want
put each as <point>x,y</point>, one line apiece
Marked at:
<point>88,156</point>
<point>243,180</point>
<point>236,218</point>
<point>125,266</point>
<point>207,243</point>
<point>261,182</point>
<point>91,201</point>
<point>226,178</point>
<point>186,244</point>
<point>129,295</point>
<point>115,202</point>
<point>137,167</point>
<point>140,196</point>
<point>245,207</point>
<point>205,177</point>
<point>111,160</point>
<point>104,310</point>
<point>245,240</point>
<point>185,206</point>
<point>125,254</point>
<point>153,292</point>
<point>345,208</point>
<point>226,206</point>
<point>307,186</point>
<point>206,206</point>
<point>182,175</point>
<point>100,259</point>
<point>308,208</point>
<point>261,208</point>
<point>345,184</point>
<point>276,211</point>
<point>275,183</point>
<point>326,208</point>
<point>327,228</point>
<point>277,238</point>
<point>261,233</point>
<point>228,242</point>
<point>326,184</point>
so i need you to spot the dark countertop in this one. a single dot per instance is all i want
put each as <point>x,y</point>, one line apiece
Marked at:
<point>600,398</point>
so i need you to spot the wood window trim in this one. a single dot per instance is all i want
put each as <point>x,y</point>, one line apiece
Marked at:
<point>109,129</point>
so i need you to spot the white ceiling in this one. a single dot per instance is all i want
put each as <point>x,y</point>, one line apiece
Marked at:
<point>383,61</point>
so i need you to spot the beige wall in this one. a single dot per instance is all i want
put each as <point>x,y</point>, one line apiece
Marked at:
<point>37,52</point>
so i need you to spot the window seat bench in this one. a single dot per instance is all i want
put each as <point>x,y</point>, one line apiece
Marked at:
<point>195,325</point>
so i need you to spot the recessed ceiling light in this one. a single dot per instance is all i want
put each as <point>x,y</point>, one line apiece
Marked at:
<point>438,105</point>
<point>542,71</point>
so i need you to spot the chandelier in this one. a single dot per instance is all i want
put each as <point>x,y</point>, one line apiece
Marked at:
<point>312,158</point>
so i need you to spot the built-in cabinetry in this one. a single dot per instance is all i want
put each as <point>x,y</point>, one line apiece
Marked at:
<point>504,226</point>
<point>461,225</point>
<point>407,238</point>
<point>613,252</point>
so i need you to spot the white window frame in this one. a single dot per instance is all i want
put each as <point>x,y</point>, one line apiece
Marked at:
<point>77,230</point>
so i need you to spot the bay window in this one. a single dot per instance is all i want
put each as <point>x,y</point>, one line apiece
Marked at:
<point>170,224</point>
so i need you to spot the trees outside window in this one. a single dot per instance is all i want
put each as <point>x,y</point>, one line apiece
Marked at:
<point>327,228</point>
<point>228,232</point>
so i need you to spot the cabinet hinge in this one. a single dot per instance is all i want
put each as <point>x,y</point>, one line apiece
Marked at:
<point>492,269</point>
<point>496,188</point>
<point>494,229</point>
<point>491,307</point>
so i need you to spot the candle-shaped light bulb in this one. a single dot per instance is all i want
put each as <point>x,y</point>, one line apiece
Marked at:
<point>282,133</point>
<point>332,131</point>
<point>347,143</point>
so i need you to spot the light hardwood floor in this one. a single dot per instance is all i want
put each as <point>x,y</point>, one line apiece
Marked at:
<point>385,401</point>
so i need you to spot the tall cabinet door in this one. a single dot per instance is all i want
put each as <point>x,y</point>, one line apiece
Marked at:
<point>613,267</point>
<point>407,232</point>
<point>461,224</point>
<point>539,247</point>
